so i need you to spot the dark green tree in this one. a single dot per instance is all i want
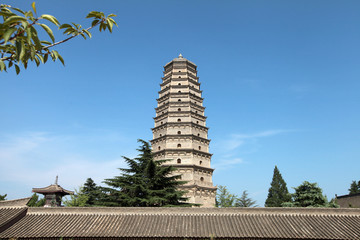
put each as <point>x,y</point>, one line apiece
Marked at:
<point>278,192</point>
<point>309,195</point>
<point>93,192</point>
<point>146,183</point>
<point>245,201</point>
<point>354,187</point>
<point>35,201</point>
<point>3,197</point>
<point>224,198</point>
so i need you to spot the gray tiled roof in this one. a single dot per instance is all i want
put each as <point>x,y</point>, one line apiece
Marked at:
<point>241,223</point>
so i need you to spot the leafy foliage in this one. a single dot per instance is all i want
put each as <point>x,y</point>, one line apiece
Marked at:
<point>278,192</point>
<point>35,201</point>
<point>3,197</point>
<point>19,38</point>
<point>79,199</point>
<point>225,199</point>
<point>146,183</point>
<point>354,187</point>
<point>309,195</point>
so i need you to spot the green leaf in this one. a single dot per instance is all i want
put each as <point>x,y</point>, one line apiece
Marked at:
<point>46,57</point>
<point>61,59</point>
<point>33,6</point>
<point>40,57</point>
<point>2,66</point>
<point>10,64</point>
<point>109,24</point>
<point>28,35</point>
<point>87,33</point>
<point>65,25</point>
<point>96,21</point>
<point>111,15</point>
<point>18,50</point>
<point>50,18</point>
<point>8,34</point>
<point>19,10</point>
<point>37,61</point>
<point>45,42</point>
<point>17,69</point>
<point>48,30</point>
<point>35,38</point>
<point>13,19</point>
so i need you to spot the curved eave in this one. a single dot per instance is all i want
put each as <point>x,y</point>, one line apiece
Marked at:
<point>180,136</point>
<point>180,123</point>
<point>182,150</point>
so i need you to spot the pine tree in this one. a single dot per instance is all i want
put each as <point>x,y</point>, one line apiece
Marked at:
<point>354,187</point>
<point>92,192</point>
<point>35,201</point>
<point>3,197</point>
<point>245,201</point>
<point>278,192</point>
<point>146,183</point>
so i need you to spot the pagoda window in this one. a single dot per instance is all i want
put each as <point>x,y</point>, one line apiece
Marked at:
<point>199,147</point>
<point>200,162</point>
<point>179,160</point>
<point>195,111</point>
<point>179,109</point>
<point>197,121</point>
<point>160,134</point>
<point>159,147</point>
<point>202,179</point>
<point>179,132</point>
<point>198,135</point>
<point>179,100</point>
<point>179,76</point>
<point>179,120</point>
<point>161,123</point>
<point>179,91</point>
<point>179,84</point>
<point>179,71</point>
<point>179,145</point>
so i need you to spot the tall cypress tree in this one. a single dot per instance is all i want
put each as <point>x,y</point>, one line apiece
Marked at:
<point>278,192</point>
<point>146,183</point>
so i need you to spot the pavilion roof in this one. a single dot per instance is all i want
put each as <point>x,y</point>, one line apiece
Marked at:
<point>53,188</point>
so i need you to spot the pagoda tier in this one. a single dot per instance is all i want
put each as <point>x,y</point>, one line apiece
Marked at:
<point>180,134</point>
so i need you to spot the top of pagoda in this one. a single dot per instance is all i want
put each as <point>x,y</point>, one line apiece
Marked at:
<point>53,188</point>
<point>180,58</point>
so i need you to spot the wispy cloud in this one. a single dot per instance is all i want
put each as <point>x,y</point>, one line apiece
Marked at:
<point>228,150</point>
<point>236,140</point>
<point>34,159</point>
<point>227,163</point>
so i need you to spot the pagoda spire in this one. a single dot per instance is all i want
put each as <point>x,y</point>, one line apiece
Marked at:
<point>180,133</point>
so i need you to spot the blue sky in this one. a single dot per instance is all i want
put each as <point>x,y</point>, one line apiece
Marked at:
<point>280,81</point>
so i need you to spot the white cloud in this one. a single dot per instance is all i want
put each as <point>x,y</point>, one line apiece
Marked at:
<point>227,163</point>
<point>34,159</point>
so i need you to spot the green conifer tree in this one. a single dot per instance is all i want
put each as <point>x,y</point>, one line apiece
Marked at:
<point>224,198</point>
<point>92,191</point>
<point>278,192</point>
<point>3,197</point>
<point>146,183</point>
<point>354,187</point>
<point>245,201</point>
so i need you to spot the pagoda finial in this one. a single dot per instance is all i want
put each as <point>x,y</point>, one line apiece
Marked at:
<point>56,180</point>
<point>180,55</point>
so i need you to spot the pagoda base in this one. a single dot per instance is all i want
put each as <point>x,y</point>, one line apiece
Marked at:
<point>204,196</point>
